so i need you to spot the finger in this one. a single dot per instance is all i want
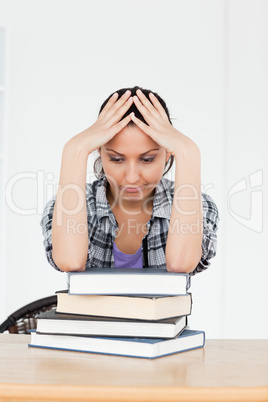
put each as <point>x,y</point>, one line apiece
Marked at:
<point>142,109</point>
<point>110,102</point>
<point>158,106</point>
<point>146,103</point>
<point>120,102</point>
<point>122,124</point>
<point>146,129</point>
<point>114,104</point>
<point>118,114</point>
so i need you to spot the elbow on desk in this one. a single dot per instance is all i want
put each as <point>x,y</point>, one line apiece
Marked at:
<point>181,266</point>
<point>185,263</point>
<point>71,268</point>
<point>69,265</point>
<point>179,269</point>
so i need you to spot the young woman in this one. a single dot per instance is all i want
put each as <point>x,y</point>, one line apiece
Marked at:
<point>131,216</point>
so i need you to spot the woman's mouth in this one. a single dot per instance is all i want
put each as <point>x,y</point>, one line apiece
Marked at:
<point>132,189</point>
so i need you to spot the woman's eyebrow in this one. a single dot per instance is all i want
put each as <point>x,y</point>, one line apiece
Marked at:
<point>155,149</point>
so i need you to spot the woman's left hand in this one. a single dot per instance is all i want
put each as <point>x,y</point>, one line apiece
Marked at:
<point>159,127</point>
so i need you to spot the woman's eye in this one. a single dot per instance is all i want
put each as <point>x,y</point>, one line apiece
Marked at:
<point>116,159</point>
<point>148,160</point>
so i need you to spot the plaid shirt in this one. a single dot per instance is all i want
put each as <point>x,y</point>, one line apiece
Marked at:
<point>102,228</point>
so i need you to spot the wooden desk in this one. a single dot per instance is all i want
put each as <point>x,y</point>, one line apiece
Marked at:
<point>233,370</point>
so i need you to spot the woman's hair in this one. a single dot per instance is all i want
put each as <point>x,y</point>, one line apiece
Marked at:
<point>98,168</point>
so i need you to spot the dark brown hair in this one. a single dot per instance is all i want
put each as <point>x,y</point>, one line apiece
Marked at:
<point>98,168</point>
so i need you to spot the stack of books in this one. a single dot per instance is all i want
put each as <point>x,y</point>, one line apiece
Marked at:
<point>127,312</point>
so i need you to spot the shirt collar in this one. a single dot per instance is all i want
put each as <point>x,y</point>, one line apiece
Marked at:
<point>163,199</point>
<point>162,203</point>
<point>103,207</point>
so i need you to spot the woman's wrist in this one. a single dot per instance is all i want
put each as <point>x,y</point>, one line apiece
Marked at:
<point>77,146</point>
<point>186,149</point>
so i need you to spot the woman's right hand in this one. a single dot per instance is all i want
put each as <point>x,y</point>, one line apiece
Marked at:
<point>107,125</point>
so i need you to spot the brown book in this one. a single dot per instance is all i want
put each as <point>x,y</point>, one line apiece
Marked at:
<point>132,307</point>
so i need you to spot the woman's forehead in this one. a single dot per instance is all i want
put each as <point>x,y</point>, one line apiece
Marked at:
<point>130,137</point>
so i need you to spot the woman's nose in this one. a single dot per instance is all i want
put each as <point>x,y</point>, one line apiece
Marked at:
<point>132,174</point>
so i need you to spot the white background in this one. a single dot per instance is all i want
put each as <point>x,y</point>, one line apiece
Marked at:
<point>209,60</point>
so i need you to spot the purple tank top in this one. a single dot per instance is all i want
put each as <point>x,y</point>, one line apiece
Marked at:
<point>122,260</point>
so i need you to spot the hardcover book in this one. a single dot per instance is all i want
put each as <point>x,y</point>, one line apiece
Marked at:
<point>128,306</point>
<point>150,348</point>
<point>51,322</point>
<point>138,281</point>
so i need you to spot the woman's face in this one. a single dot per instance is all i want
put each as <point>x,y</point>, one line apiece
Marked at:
<point>133,164</point>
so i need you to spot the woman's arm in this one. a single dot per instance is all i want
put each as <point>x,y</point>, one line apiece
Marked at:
<point>184,241</point>
<point>69,223</point>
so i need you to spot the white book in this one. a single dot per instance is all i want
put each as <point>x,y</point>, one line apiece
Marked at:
<point>138,281</point>
<point>133,347</point>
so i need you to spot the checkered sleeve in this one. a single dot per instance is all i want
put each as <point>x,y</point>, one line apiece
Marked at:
<point>210,227</point>
<point>46,224</point>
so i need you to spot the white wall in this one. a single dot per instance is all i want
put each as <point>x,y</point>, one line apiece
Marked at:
<point>208,59</point>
